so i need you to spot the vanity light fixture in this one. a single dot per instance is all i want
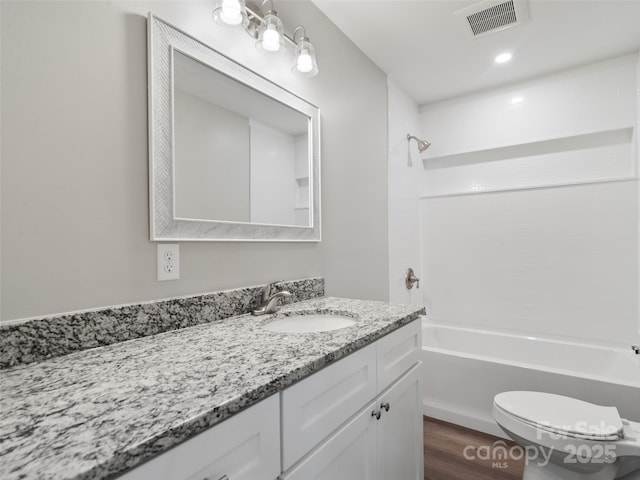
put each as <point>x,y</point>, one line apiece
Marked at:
<point>231,13</point>
<point>304,59</point>
<point>268,30</point>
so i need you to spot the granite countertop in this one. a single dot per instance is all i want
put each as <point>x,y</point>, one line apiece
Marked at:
<point>96,413</point>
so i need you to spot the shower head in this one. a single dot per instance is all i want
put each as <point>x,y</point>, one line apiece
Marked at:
<point>422,144</point>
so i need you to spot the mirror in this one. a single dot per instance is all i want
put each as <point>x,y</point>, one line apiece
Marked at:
<point>258,144</point>
<point>233,157</point>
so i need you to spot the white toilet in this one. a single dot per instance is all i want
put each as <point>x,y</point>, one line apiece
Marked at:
<point>568,439</point>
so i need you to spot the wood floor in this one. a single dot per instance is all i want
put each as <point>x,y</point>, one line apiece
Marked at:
<point>452,452</point>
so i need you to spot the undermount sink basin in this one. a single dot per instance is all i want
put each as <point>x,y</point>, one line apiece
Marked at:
<point>309,323</point>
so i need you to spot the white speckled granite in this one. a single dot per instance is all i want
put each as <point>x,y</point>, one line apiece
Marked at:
<point>38,339</point>
<point>94,414</point>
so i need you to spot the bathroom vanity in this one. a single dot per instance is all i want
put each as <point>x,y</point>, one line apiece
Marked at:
<point>361,417</point>
<point>224,399</point>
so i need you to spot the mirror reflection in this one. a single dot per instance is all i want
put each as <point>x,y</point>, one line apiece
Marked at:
<point>240,156</point>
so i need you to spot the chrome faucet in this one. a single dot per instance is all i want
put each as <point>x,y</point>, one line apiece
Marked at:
<point>269,300</point>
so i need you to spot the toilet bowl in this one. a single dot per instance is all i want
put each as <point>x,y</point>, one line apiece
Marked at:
<point>568,439</point>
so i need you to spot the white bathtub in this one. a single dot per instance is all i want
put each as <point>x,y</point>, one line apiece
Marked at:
<point>465,367</point>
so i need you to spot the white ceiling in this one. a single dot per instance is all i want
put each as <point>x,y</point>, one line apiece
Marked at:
<point>422,47</point>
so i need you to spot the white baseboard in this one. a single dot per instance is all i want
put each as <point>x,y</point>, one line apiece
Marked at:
<point>486,425</point>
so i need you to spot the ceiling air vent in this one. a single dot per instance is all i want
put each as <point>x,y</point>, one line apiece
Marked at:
<point>492,16</point>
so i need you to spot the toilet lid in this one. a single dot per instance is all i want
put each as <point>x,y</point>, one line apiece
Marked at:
<point>562,415</point>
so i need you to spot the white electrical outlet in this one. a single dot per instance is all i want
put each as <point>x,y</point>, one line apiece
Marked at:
<point>168,261</point>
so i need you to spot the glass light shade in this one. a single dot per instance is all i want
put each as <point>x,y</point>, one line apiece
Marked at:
<point>230,13</point>
<point>304,59</point>
<point>270,35</point>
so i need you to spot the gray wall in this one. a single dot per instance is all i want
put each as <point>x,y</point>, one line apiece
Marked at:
<point>74,160</point>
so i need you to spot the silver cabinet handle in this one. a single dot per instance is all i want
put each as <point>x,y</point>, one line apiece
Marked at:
<point>376,414</point>
<point>223,477</point>
<point>385,406</point>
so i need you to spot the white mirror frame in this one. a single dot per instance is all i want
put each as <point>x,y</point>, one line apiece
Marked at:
<point>163,38</point>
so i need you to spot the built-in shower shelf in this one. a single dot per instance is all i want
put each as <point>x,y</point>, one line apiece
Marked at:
<point>302,193</point>
<point>540,147</point>
<point>586,158</point>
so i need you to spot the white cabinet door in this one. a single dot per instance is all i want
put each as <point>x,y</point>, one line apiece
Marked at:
<point>348,454</point>
<point>398,352</point>
<point>400,453</point>
<point>244,447</point>
<point>318,405</point>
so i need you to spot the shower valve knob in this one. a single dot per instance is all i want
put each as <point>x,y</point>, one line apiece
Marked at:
<point>410,278</point>
<point>636,349</point>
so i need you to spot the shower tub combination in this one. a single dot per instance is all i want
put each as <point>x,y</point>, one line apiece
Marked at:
<point>465,367</point>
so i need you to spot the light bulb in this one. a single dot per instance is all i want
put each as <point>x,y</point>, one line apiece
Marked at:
<point>304,60</point>
<point>230,12</point>
<point>271,39</point>
<point>304,63</point>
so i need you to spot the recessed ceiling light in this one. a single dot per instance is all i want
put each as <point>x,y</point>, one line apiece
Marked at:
<point>503,58</point>
<point>516,99</point>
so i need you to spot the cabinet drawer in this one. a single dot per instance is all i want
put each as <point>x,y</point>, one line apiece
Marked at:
<point>398,352</point>
<point>244,447</point>
<point>318,405</point>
